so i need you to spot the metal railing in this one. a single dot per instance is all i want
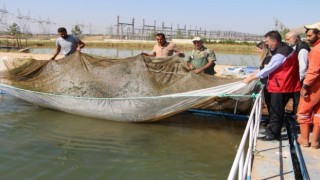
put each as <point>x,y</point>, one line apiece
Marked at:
<point>243,160</point>
<point>299,162</point>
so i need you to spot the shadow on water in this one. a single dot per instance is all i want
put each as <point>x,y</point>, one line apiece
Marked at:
<point>40,143</point>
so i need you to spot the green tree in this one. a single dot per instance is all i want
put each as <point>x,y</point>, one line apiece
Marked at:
<point>15,32</point>
<point>14,29</point>
<point>76,30</point>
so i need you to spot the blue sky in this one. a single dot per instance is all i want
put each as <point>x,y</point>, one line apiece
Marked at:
<point>249,16</point>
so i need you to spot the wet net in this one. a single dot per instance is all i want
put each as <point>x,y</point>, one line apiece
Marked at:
<point>134,89</point>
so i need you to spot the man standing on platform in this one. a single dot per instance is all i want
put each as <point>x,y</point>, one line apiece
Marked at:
<point>309,105</point>
<point>293,40</point>
<point>283,81</point>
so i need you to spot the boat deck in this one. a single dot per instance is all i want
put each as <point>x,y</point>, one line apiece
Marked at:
<point>273,160</point>
<point>312,160</point>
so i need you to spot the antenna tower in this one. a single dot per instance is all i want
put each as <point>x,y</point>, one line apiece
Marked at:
<point>3,18</point>
<point>24,22</point>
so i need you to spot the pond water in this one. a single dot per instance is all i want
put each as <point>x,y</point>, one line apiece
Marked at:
<point>223,58</point>
<point>39,143</point>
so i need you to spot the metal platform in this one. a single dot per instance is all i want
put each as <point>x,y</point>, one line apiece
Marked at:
<point>272,160</point>
<point>311,157</point>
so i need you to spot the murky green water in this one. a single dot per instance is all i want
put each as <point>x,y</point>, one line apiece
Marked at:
<point>39,143</point>
<point>222,58</point>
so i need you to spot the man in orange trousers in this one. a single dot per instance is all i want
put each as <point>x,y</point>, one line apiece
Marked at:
<point>309,105</point>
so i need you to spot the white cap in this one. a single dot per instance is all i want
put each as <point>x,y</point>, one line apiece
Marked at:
<point>196,39</point>
<point>313,26</point>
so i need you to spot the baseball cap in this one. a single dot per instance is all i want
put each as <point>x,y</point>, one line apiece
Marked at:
<point>196,39</point>
<point>313,26</point>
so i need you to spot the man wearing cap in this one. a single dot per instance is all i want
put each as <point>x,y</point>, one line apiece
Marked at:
<point>309,105</point>
<point>163,48</point>
<point>201,59</point>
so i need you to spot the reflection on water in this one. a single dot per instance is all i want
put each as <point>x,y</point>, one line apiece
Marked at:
<point>39,143</point>
<point>225,59</point>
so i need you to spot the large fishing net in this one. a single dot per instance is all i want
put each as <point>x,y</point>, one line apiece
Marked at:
<point>138,88</point>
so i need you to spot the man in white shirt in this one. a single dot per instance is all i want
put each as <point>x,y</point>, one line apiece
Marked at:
<point>67,44</point>
<point>293,39</point>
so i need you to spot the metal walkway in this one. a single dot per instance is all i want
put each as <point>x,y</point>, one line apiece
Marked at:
<point>273,160</point>
<point>284,159</point>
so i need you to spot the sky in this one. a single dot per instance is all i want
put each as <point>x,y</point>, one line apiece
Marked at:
<point>99,16</point>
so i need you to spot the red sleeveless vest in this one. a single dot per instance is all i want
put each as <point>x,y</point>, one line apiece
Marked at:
<point>286,79</point>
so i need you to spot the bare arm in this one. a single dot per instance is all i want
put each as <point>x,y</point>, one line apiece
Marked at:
<point>153,54</point>
<point>179,53</point>
<point>80,45</point>
<point>57,51</point>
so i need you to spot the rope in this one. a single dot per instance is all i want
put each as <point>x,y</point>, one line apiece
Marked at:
<point>253,95</point>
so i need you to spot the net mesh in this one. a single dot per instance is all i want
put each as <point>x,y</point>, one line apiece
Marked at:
<point>147,83</point>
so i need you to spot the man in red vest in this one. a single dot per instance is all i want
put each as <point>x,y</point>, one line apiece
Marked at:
<point>283,81</point>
